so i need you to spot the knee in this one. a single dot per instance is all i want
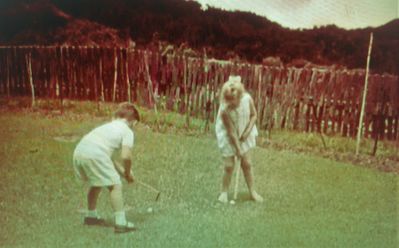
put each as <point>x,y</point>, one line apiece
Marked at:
<point>245,165</point>
<point>228,170</point>
<point>94,191</point>
<point>115,188</point>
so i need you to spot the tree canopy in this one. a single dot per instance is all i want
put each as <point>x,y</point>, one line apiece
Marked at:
<point>223,33</point>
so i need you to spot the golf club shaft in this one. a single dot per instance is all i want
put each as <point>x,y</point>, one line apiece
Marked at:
<point>147,186</point>
<point>237,166</point>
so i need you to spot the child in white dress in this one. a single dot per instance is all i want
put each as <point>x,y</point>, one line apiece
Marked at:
<point>236,133</point>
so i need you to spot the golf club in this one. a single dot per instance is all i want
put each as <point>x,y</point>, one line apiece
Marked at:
<point>149,187</point>
<point>237,179</point>
<point>119,168</point>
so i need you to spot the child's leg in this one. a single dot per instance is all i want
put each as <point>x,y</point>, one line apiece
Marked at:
<point>116,197</point>
<point>228,172</point>
<point>122,225</point>
<point>92,197</point>
<point>248,175</point>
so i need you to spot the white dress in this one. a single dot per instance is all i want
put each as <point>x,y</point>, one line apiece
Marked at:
<point>240,118</point>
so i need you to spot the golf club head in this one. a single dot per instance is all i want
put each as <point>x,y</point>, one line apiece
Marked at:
<point>158,195</point>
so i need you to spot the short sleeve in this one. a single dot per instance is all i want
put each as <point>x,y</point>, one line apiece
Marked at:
<point>128,138</point>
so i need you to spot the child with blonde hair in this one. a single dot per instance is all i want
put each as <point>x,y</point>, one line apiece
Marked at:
<point>236,134</point>
<point>93,164</point>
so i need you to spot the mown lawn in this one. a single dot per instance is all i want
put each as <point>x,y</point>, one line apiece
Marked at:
<point>310,201</point>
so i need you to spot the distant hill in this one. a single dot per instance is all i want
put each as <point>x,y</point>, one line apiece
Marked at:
<point>225,34</point>
<point>41,22</point>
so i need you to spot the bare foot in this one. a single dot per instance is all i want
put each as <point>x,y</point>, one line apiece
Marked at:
<point>256,197</point>
<point>223,197</point>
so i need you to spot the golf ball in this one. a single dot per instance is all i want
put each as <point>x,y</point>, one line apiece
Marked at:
<point>149,210</point>
<point>232,202</point>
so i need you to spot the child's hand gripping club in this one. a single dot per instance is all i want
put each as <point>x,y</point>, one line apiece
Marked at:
<point>127,174</point>
<point>130,179</point>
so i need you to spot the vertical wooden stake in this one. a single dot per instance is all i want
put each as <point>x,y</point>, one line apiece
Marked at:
<point>359,130</point>
<point>28,59</point>
<point>101,80</point>
<point>8,75</point>
<point>61,81</point>
<point>258,71</point>
<point>94,53</point>
<point>115,74</point>
<point>55,74</point>
<point>129,98</point>
<point>150,88</point>
<point>186,96</point>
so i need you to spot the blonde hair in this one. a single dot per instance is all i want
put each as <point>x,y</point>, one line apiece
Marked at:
<point>232,91</point>
<point>127,111</point>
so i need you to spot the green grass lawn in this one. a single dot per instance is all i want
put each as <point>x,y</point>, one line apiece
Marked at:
<point>310,201</point>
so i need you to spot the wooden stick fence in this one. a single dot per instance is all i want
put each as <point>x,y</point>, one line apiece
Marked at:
<point>306,99</point>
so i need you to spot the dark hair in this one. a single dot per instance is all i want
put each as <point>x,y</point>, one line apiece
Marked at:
<point>127,111</point>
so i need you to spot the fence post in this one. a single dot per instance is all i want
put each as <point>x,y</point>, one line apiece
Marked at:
<point>258,72</point>
<point>28,60</point>
<point>101,77</point>
<point>359,130</point>
<point>115,74</point>
<point>8,73</point>
<point>150,88</point>
<point>61,78</point>
<point>126,55</point>
<point>186,96</point>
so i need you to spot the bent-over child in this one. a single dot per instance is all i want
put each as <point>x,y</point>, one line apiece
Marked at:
<point>92,162</point>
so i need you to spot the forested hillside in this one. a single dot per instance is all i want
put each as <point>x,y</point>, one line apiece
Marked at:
<point>224,34</point>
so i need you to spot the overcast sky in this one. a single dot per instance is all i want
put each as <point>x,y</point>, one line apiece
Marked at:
<point>295,14</point>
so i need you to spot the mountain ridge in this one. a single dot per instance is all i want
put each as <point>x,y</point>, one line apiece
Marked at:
<point>223,34</point>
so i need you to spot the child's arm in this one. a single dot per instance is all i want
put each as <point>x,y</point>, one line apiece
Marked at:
<point>119,167</point>
<point>251,123</point>
<point>231,132</point>
<point>126,156</point>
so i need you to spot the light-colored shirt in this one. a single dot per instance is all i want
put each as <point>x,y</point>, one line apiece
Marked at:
<point>105,139</point>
